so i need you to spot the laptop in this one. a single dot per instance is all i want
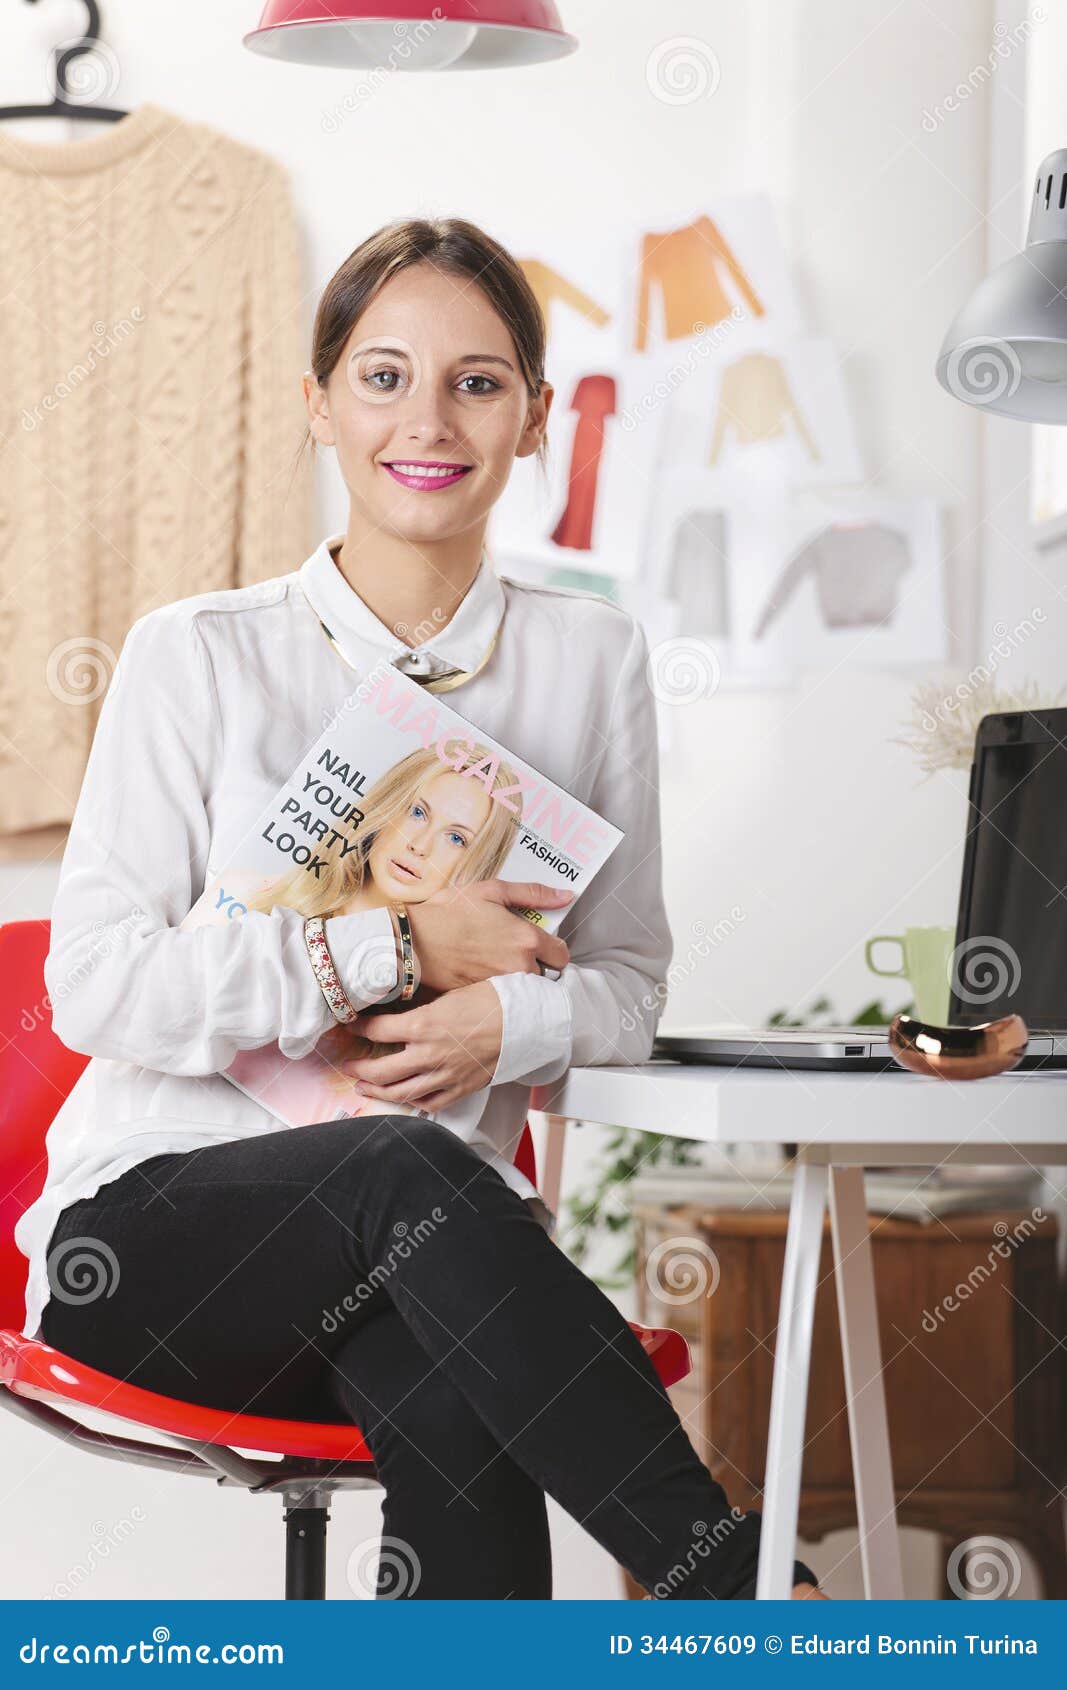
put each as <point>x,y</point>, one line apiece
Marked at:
<point>1011,922</point>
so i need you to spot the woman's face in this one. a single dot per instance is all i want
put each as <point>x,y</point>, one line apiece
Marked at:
<point>422,850</point>
<point>427,407</point>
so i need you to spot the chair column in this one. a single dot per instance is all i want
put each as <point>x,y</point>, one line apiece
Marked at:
<point>306,1517</point>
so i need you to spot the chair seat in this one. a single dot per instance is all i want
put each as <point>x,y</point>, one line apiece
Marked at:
<point>31,1368</point>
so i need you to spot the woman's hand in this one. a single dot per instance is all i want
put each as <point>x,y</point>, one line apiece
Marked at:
<point>463,934</point>
<point>451,1048</point>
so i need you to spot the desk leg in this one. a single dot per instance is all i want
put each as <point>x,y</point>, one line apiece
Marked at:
<point>551,1180</point>
<point>868,1422</point>
<point>789,1389</point>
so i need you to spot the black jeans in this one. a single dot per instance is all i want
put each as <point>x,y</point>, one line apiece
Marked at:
<point>375,1270</point>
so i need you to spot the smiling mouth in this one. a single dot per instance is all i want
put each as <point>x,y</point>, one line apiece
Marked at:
<point>426,476</point>
<point>404,872</point>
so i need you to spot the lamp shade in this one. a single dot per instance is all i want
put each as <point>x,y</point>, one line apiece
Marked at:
<point>411,34</point>
<point>1006,349</point>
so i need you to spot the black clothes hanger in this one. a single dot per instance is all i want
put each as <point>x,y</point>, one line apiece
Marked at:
<point>61,105</point>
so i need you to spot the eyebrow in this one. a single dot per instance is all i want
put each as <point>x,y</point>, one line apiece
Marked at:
<point>468,357</point>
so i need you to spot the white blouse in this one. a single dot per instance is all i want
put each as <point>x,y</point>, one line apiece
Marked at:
<point>212,703</point>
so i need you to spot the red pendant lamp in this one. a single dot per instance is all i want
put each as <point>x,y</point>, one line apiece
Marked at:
<point>411,34</point>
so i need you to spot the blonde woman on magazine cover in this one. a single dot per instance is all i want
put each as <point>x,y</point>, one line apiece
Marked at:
<point>421,827</point>
<point>484,1369</point>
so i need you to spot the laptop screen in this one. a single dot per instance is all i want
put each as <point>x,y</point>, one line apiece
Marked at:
<point>1011,934</point>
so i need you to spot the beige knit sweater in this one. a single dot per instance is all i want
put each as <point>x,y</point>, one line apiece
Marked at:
<point>150,410</point>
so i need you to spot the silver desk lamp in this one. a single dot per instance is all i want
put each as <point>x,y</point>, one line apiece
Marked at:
<point>1006,349</point>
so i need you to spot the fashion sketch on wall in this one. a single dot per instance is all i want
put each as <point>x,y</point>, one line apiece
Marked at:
<point>768,413</point>
<point>627,323</point>
<point>821,581</point>
<point>586,510</point>
<point>725,264</point>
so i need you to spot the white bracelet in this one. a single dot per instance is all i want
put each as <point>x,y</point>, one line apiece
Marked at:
<point>325,973</point>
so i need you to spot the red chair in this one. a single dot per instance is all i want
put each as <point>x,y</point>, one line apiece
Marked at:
<point>42,1384</point>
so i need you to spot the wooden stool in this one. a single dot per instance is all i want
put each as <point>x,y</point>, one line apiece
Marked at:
<point>969,1312</point>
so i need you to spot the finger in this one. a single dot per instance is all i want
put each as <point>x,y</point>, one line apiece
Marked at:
<point>385,1070</point>
<point>384,1028</point>
<point>412,1090</point>
<point>553,951</point>
<point>524,894</point>
<point>437,1101</point>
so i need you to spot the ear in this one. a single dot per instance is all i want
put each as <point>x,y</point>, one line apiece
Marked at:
<point>318,408</point>
<point>536,421</point>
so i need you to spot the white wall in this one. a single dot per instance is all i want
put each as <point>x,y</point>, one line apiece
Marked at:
<point>794,806</point>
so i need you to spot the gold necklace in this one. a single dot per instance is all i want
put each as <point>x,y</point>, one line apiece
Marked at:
<point>442,683</point>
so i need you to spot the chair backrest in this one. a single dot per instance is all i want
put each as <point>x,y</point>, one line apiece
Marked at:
<point>37,1073</point>
<point>526,1154</point>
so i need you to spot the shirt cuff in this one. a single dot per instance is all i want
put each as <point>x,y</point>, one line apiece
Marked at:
<point>535,1044</point>
<point>363,948</point>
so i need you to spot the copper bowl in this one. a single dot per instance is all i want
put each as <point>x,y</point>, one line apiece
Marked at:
<point>958,1053</point>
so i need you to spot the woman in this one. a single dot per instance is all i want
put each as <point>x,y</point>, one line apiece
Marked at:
<point>484,1369</point>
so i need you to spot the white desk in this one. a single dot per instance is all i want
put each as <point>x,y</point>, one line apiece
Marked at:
<point>840,1123</point>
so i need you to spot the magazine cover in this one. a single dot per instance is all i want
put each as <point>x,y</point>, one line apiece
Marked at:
<point>394,768</point>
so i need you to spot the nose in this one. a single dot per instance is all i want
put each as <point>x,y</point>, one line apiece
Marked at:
<point>420,828</point>
<point>428,421</point>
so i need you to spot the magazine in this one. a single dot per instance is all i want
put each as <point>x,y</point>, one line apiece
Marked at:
<point>395,769</point>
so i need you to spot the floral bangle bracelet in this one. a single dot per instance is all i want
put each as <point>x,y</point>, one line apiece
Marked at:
<point>325,972</point>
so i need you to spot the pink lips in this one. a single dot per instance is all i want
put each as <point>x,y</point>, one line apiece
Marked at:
<point>428,483</point>
<point>404,871</point>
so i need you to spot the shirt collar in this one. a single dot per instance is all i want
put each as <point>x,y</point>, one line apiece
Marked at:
<point>460,644</point>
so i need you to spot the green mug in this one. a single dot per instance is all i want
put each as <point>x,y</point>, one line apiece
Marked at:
<point>925,962</point>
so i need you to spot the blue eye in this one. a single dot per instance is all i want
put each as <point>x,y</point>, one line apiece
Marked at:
<point>458,837</point>
<point>417,810</point>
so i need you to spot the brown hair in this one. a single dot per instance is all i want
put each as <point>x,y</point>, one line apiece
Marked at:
<point>457,248</point>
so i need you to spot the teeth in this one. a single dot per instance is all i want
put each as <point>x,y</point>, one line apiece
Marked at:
<point>421,471</point>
